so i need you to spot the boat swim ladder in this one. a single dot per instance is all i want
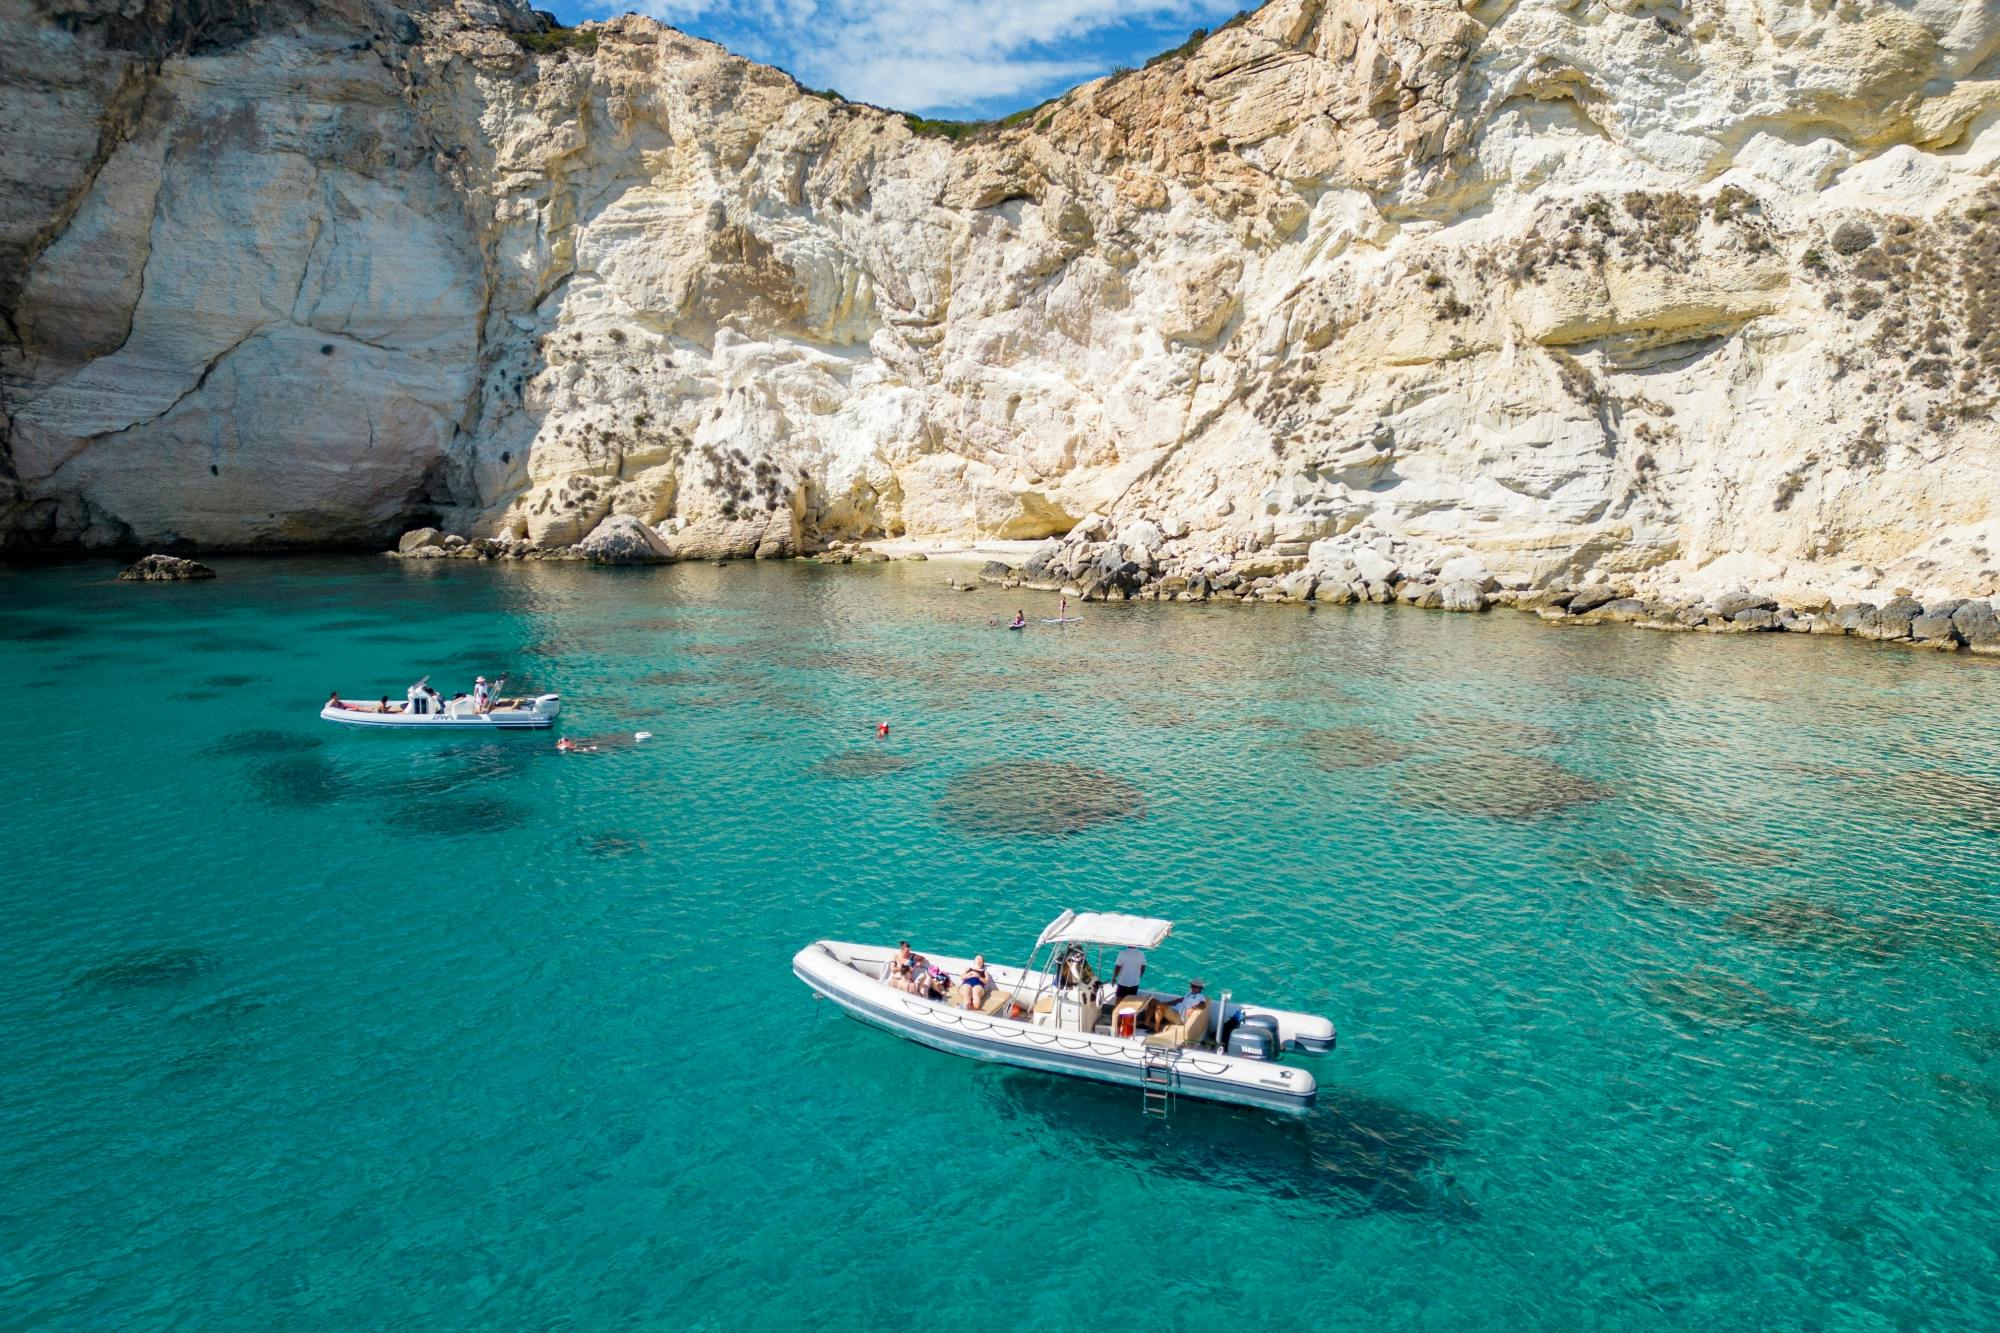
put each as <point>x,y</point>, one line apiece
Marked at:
<point>1158,1080</point>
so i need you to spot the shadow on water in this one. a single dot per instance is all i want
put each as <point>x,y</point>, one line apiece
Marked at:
<point>143,969</point>
<point>1354,1154</point>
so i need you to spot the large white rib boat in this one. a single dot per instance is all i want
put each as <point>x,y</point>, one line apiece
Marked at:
<point>530,714</point>
<point>1061,1019</point>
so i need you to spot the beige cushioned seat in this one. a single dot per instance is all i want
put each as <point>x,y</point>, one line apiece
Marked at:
<point>1190,1029</point>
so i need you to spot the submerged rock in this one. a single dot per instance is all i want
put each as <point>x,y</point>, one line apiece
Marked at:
<point>862,764</point>
<point>149,967</point>
<point>1676,889</point>
<point>1352,747</point>
<point>165,569</point>
<point>1035,796</point>
<point>264,741</point>
<point>1496,785</point>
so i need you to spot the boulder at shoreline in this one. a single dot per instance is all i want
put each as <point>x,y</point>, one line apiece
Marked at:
<point>165,569</point>
<point>623,540</point>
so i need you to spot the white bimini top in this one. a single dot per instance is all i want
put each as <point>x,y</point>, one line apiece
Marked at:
<point>1142,932</point>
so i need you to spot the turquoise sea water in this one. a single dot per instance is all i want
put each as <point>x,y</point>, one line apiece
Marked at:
<point>1664,965</point>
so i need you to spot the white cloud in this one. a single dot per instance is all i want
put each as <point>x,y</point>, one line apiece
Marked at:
<point>933,54</point>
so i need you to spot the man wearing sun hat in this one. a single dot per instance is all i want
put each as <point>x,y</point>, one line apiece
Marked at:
<point>482,697</point>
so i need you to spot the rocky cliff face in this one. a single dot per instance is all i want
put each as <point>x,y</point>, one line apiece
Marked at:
<point>1701,290</point>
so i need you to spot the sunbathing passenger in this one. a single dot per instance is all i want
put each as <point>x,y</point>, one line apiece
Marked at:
<point>978,982</point>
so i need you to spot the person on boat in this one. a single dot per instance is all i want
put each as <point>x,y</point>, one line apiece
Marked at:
<point>978,982</point>
<point>933,982</point>
<point>384,707</point>
<point>1126,972</point>
<point>1020,620</point>
<point>333,700</point>
<point>1158,1015</point>
<point>898,973</point>
<point>482,696</point>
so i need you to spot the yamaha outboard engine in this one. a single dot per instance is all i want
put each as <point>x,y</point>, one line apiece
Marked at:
<point>1253,1041</point>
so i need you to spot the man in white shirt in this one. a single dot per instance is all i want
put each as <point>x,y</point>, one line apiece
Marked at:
<point>1127,971</point>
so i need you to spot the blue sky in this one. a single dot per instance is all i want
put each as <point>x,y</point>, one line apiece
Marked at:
<point>958,58</point>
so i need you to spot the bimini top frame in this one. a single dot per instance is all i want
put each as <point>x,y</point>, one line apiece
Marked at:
<point>1143,932</point>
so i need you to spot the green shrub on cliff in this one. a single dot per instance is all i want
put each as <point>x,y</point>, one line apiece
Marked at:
<point>556,40</point>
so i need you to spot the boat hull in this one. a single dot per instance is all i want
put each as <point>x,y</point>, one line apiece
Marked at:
<point>1208,1075</point>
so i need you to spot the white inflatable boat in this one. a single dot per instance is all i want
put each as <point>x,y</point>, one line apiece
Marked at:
<point>534,713</point>
<point>1063,1020</point>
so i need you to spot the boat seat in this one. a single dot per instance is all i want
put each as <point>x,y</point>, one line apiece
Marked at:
<point>1188,1032</point>
<point>996,1000</point>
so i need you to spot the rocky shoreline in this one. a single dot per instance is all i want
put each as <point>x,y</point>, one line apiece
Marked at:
<point>1093,565</point>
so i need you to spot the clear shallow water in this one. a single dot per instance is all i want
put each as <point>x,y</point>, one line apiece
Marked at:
<point>1664,965</point>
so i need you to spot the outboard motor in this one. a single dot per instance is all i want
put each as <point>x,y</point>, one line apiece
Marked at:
<point>1253,1041</point>
<point>1266,1022</point>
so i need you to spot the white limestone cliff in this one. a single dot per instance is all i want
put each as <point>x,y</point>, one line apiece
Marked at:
<point>1697,292</point>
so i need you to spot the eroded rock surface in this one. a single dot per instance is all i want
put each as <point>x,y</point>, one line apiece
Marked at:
<point>165,569</point>
<point>1687,296</point>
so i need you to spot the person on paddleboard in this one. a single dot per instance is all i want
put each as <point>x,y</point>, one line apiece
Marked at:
<point>1020,620</point>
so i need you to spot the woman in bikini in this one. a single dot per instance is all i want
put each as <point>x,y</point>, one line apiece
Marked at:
<point>978,982</point>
